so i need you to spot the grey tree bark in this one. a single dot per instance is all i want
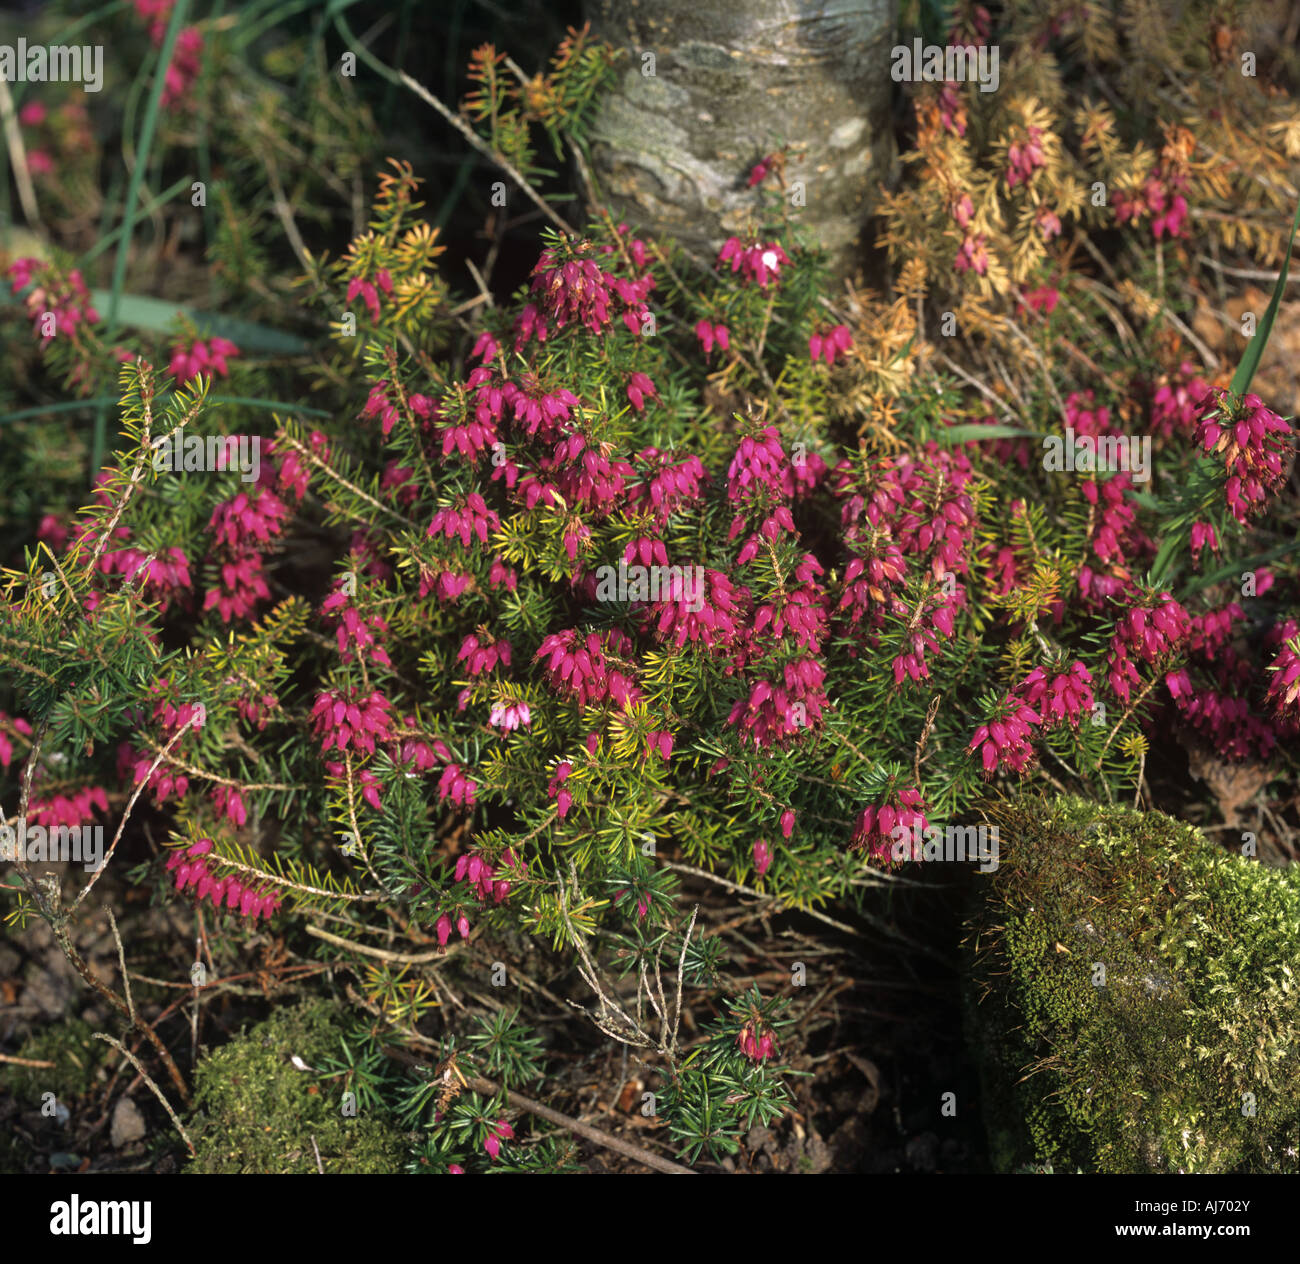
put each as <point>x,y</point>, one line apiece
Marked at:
<point>714,85</point>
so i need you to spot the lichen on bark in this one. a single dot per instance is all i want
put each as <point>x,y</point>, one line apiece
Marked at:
<point>713,86</point>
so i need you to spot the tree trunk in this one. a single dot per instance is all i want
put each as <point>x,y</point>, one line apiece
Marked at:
<point>715,85</point>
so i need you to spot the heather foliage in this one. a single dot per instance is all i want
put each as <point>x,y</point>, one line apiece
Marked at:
<point>663,561</point>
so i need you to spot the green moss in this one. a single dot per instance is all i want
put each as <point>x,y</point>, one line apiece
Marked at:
<point>76,1055</point>
<point>1197,1022</point>
<point>256,1112</point>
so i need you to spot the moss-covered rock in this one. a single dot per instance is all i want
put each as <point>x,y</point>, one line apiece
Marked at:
<point>1134,997</point>
<point>256,1112</point>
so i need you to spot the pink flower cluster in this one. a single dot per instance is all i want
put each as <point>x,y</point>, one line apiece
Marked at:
<point>1149,632</point>
<point>369,291</point>
<point>873,831</point>
<point>247,899</point>
<point>469,521</point>
<point>1060,698</point>
<point>1251,439</point>
<point>203,357</point>
<point>1024,158</point>
<point>711,334</point>
<point>776,712</point>
<point>555,789</point>
<point>577,290</point>
<point>715,625</point>
<point>828,343</point>
<point>758,262</point>
<point>1162,198</point>
<point>580,668</point>
<point>1004,742</point>
<point>1283,694</point>
<point>345,720</point>
<point>66,299</point>
<point>70,809</point>
<point>482,875</point>
<point>671,483</point>
<point>17,725</point>
<point>356,633</point>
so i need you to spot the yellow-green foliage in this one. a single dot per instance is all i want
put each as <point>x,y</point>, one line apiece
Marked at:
<point>1197,1022</point>
<point>256,1112</point>
<point>76,1055</point>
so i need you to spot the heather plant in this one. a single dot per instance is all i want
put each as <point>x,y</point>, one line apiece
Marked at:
<point>442,633</point>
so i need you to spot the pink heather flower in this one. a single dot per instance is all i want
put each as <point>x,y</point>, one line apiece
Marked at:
<point>456,786</point>
<point>17,725</point>
<point>248,520</point>
<point>242,587</point>
<point>762,857</point>
<point>1061,698</point>
<point>514,715</point>
<point>207,358</point>
<point>716,621</point>
<point>1251,439</point>
<point>71,809</point>
<point>485,348</point>
<point>1178,402</point>
<point>826,344</point>
<point>709,334</point>
<point>346,721</point>
<point>230,803</point>
<point>755,1042</point>
<point>471,520</point>
<point>498,1132</point>
<point>577,290</point>
<point>556,790</point>
<point>369,293</point>
<point>776,713</point>
<point>367,781</point>
<point>1203,534</point>
<point>671,483</point>
<point>1049,224</point>
<point>1025,159</point>
<point>1004,742</point>
<point>1283,694</point>
<point>455,1169</point>
<point>875,826</point>
<point>639,389</point>
<point>972,255</point>
<point>1043,299</point>
<point>32,114</point>
<point>480,657</point>
<point>578,667</point>
<point>758,172</point>
<point>247,899</point>
<point>757,262</point>
<point>787,823</point>
<point>64,297</point>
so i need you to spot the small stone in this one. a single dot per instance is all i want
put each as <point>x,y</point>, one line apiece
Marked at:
<point>128,1124</point>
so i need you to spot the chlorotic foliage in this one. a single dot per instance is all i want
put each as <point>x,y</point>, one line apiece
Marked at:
<point>1134,996</point>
